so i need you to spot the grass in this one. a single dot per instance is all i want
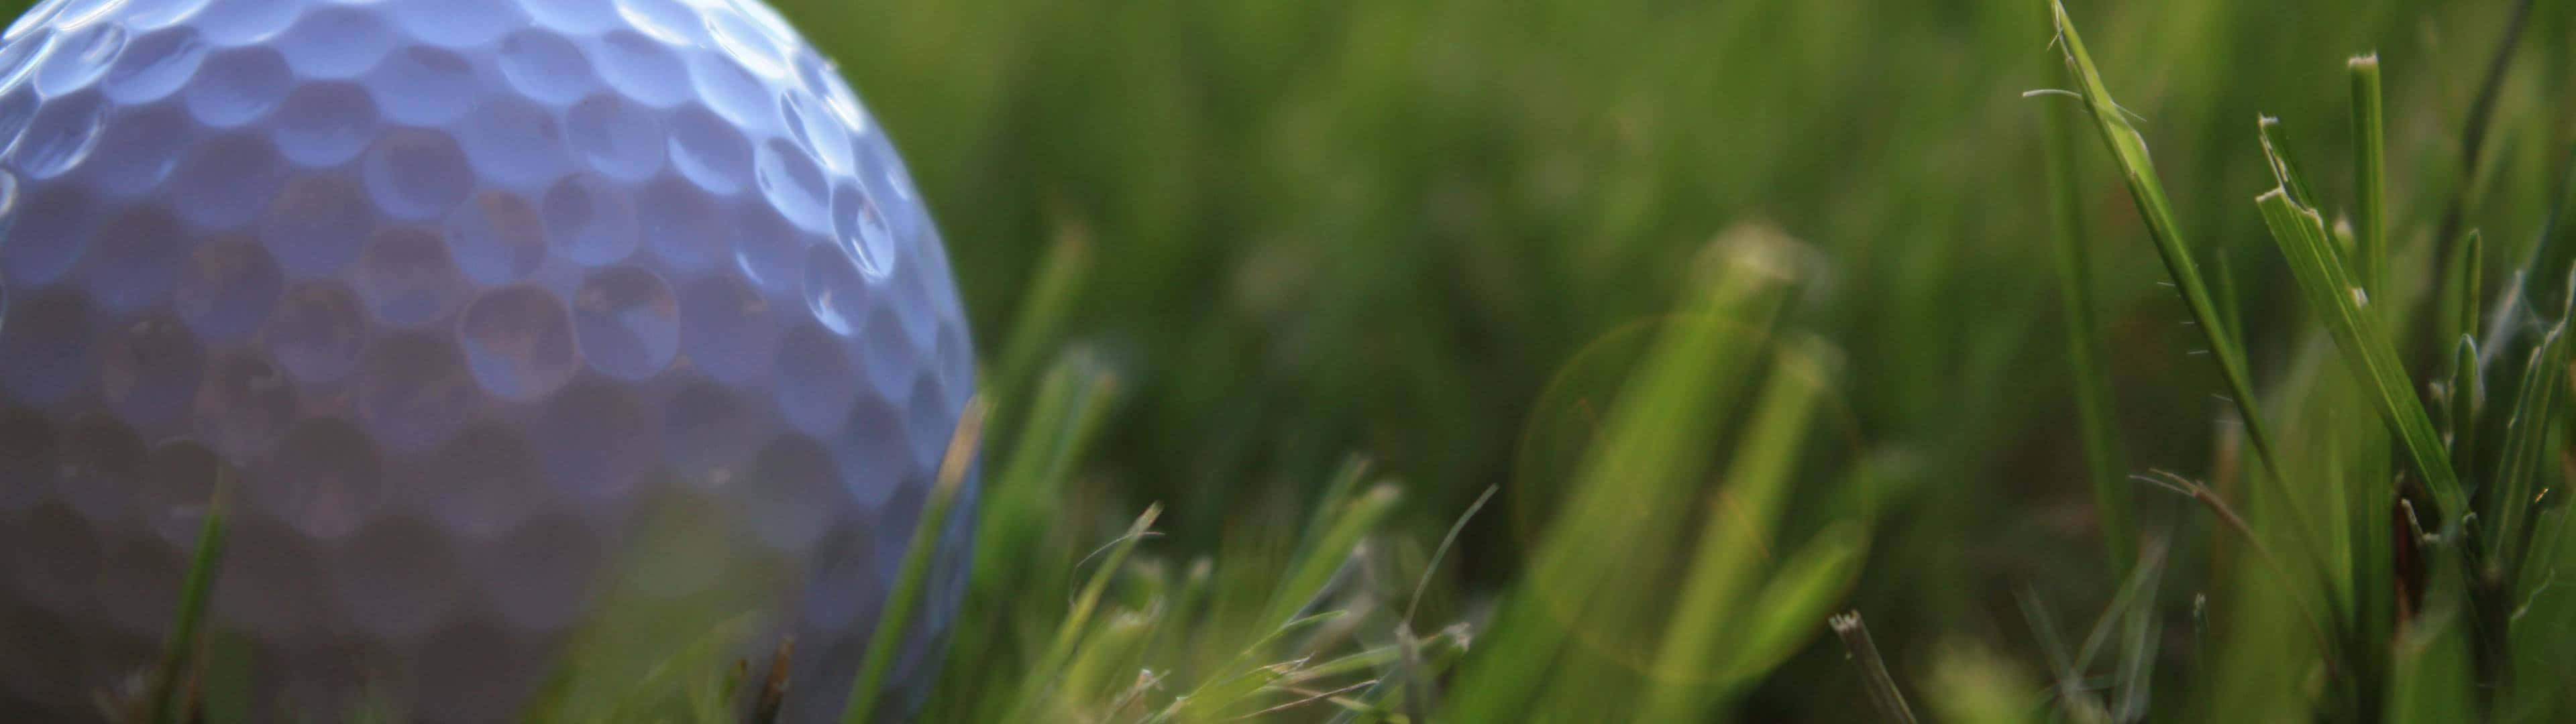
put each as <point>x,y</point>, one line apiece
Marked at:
<point>1614,361</point>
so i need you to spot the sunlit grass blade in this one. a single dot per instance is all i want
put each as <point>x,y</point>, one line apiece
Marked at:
<point>1222,693</point>
<point>1781,618</point>
<point>2129,148</point>
<point>1743,508</point>
<point>1328,505</point>
<point>1111,651</point>
<point>1335,533</point>
<point>1327,552</point>
<point>896,619</point>
<point>2330,290</point>
<point>1020,541</point>
<point>2090,377</point>
<point>2370,164</point>
<point>1645,461</point>
<point>1063,417</point>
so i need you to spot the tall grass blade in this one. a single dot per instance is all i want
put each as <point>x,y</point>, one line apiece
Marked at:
<point>1743,508</point>
<point>2467,395</point>
<point>2329,289</point>
<point>2284,158</point>
<point>1326,553</point>
<point>1645,462</point>
<point>2468,284</point>
<point>2094,418</point>
<point>896,619</point>
<point>2129,148</point>
<point>1043,674</point>
<point>2370,164</point>
<point>2473,131</point>
<point>1051,297</point>
<point>1064,416</point>
<point>174,678</point>
<point>1810,581</point>
<point>2525,464</point>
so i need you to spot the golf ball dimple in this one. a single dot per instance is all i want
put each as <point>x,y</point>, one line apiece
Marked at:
<point>447,300</point>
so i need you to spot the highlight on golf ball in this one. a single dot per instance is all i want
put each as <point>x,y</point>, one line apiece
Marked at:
<point>448,300</point>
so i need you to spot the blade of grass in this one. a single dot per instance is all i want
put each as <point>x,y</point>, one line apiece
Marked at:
<point>2094,419</point>
<point>2138,592</point>
<point>2355,553</point>
<point>2134,672</point>
<point>2432,660</point>
<point>1051,297</point>
<point>1328,505</point>
<point>1043,674</point>
<point>1742,510</point>
<point>2468,283</point>
<point>1219,694</point>
<point>2130,148</point>
<point>1864,653</point>
<point>2370,162</point>
<point>773,690</point>
<point>1425,687</point>
<point>2303,598</point>
<point>2284,158</point>
<point>2473,131</point>
<point>896,618</point>
<point>1342,532</point>
<point>1414,604</point>
<point>2329,289</point>
<point>2525,465</point>
<point>1064,415</point>
<point>170,703</point>
<point>2467,394</point>
<point>1810,582</point>
<point>1649,449</point>
<point>2074,701</point>
<point>2546,278</point>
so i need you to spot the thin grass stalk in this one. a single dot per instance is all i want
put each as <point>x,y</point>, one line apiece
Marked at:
<point>897,616</point>
<point>2370,161</point>
<point>2095,425</point>
<point>174,679</point>
<point>2138,168</point>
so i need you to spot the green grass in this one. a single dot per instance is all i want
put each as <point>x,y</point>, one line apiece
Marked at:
<point>1579,361</point>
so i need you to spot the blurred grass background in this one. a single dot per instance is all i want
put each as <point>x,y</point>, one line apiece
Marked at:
<point>1293,232</point>
<point>1320,228</point>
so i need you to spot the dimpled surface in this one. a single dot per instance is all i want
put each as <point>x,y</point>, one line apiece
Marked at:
<point>455,292</point>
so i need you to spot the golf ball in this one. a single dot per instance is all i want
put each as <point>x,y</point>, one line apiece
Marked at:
<point>447,298</point>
